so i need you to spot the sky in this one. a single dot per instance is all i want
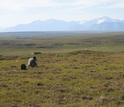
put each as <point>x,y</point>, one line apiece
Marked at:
<point>14,12</point>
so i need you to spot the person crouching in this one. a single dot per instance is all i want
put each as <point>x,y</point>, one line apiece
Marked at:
<point>32,62</point>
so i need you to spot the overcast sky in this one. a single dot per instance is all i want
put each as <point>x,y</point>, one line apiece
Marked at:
<point>13,12</point>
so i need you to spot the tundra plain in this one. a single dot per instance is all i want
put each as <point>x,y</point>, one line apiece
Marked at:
<point>85,70</point>
<point>45,42</point>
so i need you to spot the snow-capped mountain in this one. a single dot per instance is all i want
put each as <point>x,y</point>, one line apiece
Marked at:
<point>100,24</point>
<point>104,24</point>
<point>106,19</point>
<point>101,20</point>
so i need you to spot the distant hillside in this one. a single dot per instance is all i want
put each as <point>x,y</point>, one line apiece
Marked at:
<point>47,25</point>
<point>100,24</point>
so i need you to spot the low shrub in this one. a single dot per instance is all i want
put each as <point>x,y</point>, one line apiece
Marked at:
<point>62,55</point>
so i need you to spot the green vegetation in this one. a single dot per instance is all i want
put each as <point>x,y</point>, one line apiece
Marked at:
<point>74,79</point>
<point>82,71</point>
<point>20,45</point>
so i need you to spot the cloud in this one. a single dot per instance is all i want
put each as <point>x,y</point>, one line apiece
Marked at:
<point>117,5</point>
<point>22,4</point>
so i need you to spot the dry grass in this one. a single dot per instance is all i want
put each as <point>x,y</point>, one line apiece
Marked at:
<point>75,79</point>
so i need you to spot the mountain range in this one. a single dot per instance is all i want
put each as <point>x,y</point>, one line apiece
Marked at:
<point>100,24</point>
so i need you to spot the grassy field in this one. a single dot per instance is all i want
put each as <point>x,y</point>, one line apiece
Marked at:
<point>84,70</point>
<point>75,79</point>
<point>19,45</point>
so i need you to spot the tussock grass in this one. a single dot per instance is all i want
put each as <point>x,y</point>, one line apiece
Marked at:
<point>74,79</point>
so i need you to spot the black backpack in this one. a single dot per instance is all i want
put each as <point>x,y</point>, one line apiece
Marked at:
<point>23,67</point>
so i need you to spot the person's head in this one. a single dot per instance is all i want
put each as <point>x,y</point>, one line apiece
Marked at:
<point>34,58</point>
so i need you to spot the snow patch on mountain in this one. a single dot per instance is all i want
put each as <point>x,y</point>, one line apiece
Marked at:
<point>101,21</point>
